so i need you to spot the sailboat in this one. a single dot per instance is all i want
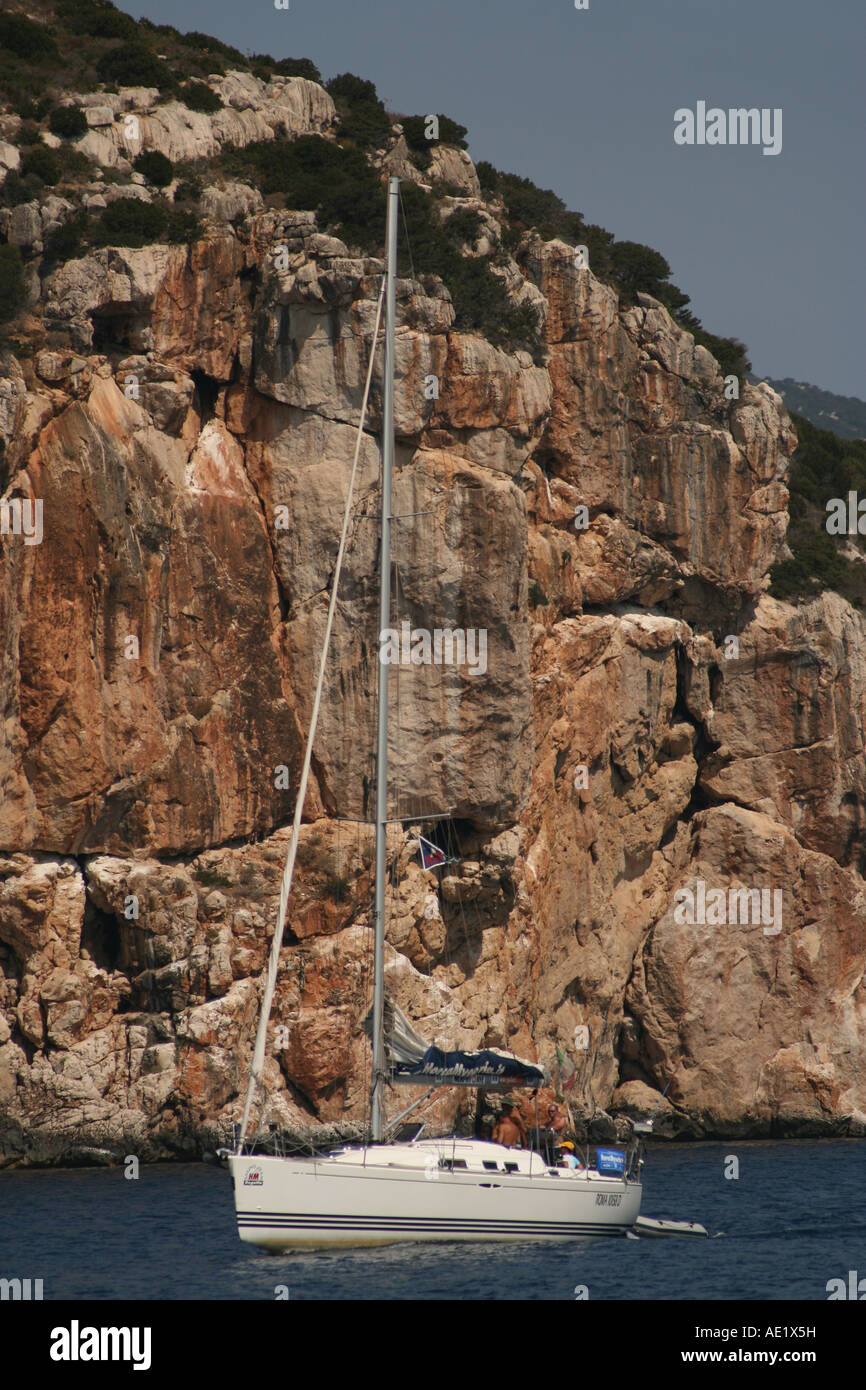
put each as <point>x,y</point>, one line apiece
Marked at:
<point>421,1188</point>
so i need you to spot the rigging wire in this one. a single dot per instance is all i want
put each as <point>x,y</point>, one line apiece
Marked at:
<point>406,229</point>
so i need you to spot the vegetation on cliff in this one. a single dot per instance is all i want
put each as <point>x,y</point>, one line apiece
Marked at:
<point>76,44</point>
<point>822,467</point>
<point>628,266</point>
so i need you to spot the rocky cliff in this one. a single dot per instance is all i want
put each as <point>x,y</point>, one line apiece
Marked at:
<point>649,720</point>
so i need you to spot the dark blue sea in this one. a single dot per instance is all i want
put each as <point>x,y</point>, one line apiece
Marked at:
<point>793,1219</point>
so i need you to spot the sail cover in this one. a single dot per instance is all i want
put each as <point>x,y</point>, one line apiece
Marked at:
<point>413,1062</point>
<point>486,1068</point>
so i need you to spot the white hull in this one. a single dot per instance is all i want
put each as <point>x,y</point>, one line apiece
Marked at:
<point>400,1192</point>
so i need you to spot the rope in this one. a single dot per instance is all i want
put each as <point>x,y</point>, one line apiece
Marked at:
<point>289,869</point>
<point>406,229</point>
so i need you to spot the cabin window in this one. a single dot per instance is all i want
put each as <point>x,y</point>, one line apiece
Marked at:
<point>512,1167</point>
<point>452,1163</point>
<point>491,1165</point>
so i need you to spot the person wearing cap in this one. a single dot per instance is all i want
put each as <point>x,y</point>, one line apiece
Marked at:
<point>568,1158</point>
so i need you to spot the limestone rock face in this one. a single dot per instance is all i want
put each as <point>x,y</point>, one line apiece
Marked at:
<point>10,158</point>
<point>737,979</point>
<point>123,698</point>
<point>123,123</point>
<point>805,768</point>
<point>452,165</point>
<point>618,714</point>
<point>640,431</point>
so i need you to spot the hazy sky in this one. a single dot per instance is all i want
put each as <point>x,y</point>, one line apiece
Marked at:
<point>770,247</point>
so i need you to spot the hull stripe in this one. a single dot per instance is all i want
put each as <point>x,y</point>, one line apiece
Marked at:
<point>410,1223</point>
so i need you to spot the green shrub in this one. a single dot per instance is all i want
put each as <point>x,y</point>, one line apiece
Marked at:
<point>12,283</point>
<point>74,165</point>
<point>481,301</point>
<point>363,118</point>
<point>464,226</point>
<point>135,65</point>
<point>298,67</point>
<point>487,176</point>
<point>189,189</point>
<point>167,31</point>
<point>31,110</point>
<point>537,597</point>
<point>28,134</point>
<point>414,133</point>
<point>182,228</point>
<point>205,43</point>
<point>66,242</point>
<point>25,38</point>
<point>367,126</point>
<point>42,162</point>
<point>451,133</point>
<point>198,96</point>
<point>530,206</point>
<point>730,353</point>
<point>17,190</point>
<point>420,148</point>
<point>130,222</point>
<point>637,268</point>
<point>69,122</point>
<point>155,167</point>
<point>95,18</point>
<point>127,222</point>
<point>319,175</point>
<point>628,266</point>
<point>349,88</point>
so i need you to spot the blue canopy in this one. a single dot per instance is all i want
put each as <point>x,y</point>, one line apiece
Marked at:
<point>487,1068</point>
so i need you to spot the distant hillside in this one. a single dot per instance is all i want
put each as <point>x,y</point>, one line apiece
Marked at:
<point>842,415</point>
<point>823,467</point>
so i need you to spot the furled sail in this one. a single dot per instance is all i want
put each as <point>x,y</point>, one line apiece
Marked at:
<point>413,1062</point>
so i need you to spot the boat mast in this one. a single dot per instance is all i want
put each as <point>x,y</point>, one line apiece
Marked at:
<point>377,1089</point>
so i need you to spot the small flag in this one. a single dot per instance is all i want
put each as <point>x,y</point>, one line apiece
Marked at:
<point>432,857</point>
<point>567,1072</point>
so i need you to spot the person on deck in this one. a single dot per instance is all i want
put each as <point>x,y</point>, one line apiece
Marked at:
<point>509,1128</point>
<point>568,1158</point>
<point>556,1120</point>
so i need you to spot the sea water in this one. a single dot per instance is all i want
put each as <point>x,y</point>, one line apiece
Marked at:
<point>791,1221</point>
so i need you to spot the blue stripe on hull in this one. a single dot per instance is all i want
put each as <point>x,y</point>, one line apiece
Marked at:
<point>478,1225</point>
